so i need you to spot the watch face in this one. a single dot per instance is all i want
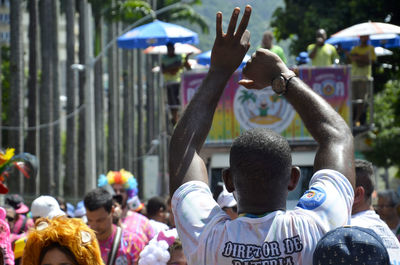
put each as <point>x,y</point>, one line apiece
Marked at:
<point>278,85</point>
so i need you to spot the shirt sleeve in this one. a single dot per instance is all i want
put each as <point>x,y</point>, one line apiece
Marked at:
<point>310,47</point>
<point>195,211</point>
<point>329,199</point>
<point>373,54</point>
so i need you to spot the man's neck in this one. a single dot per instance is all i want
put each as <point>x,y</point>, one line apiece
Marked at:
<point>106,235</point>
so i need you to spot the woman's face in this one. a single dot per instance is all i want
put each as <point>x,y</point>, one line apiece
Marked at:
<point>56,257</point>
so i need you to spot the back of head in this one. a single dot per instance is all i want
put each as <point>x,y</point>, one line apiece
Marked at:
<point>351,245</point>
<point>70,235</point>
<point>364,173</point>
<point>154,205</point>
<point>97,199</point>
<point>391,196</point>
<point>260,163</point>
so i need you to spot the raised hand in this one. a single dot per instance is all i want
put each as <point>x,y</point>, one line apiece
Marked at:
<point>230,48</point>
<point>261,69</point>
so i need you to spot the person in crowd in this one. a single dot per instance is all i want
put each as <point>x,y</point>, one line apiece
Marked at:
<point>124,186</point>
<point>165,248</point>
<point>21,223</point>
<point>118,246</point>
<point>6,253</point>
<point>363,214</point>
<point>61,240</point>
<point>321,53</point>
<point>362,57</point>
<point>172,66</point>
<point>387,208</point>
<point>227,203</point>
<point>157,214</point>
<point>261,172</point>
<point>351,245</point>
<point>267,43</point>
<point>45,206</point>
<point>42,207</point>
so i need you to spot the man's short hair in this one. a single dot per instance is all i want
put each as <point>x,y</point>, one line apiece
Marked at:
<point>364,172</point>
<point>269,34</point>
<point>154,205</point>
<point>391,195</point>
<point>261,159</point>
<point>98,198</point>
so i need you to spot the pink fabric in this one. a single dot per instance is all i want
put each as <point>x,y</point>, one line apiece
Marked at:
<point>139,224</point>
<point>5,244</point>
<point>129,249</point>
<point>15,235</point>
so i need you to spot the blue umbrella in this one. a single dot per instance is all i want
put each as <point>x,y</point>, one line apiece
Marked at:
<point>205,59</point>
<point>156,33</point>
<point>378,40</point>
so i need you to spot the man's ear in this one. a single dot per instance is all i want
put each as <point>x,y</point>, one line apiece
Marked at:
<point>227,177</point>
<point>359,194</point>
<point>294,178</point>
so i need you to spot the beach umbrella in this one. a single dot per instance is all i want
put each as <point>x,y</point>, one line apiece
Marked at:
<point>377,40</point>
<point>156,33</point>
<point>380,51</point>
<point>205,59</point>
<point>180,48</point>
<point>368,28</point>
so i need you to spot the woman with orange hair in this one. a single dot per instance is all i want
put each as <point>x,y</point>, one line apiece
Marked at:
<point>61,240</point>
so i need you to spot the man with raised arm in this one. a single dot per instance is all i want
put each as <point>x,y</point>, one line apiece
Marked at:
<point>261,171</point>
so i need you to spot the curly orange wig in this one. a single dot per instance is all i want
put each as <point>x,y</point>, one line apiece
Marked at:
<point>71,233</point>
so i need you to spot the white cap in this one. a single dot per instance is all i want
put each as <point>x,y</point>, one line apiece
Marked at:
<point>46,206</point>
<point>226,199</point>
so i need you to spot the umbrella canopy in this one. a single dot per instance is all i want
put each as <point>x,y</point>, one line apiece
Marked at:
<point>378,40</point>
<point>368,28</point>
<point>379,51</point>
<point>156,33</point>
<point>180,48</point>
<point>205,59</point>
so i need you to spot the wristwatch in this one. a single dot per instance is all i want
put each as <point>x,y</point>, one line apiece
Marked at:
<point>280,83</point>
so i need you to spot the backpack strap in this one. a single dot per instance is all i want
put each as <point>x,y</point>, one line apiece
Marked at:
<point>113,252</point>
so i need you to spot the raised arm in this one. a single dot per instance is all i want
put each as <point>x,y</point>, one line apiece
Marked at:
<point>192,129</point>
<point>326,126</point>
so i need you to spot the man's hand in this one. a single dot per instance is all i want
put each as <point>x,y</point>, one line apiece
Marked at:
<point>261,69</point>
<point>192,129</point>
<point>230,48</point>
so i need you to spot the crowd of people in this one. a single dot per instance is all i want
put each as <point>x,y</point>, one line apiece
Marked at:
<point>334,221</point>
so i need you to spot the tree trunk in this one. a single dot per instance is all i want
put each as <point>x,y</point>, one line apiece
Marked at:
<point>56,99</point>
<point>82,84</point>
<point>131,76</point>
<point>149,100</point>
<point>126,155</point>
<point>113,114</point>
<point>140,138</point>
<point>31,145</point>
<point>99,98</point>
<point>46,100</point>
<point>16,84</point>
<point>71,173</point>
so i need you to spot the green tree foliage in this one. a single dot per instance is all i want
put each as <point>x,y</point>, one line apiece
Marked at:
<point>385,139</point>
<point>5,82</point>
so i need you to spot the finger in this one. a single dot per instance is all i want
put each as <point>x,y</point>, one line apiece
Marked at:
<point>232,22</point>
<point>245,40</point>
<point>249,84</point>
<point>219,25</point>
<point>244,22</point>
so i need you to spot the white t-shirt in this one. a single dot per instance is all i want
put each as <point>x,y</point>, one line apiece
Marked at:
<point>369,219</point>
<point>282,237</point>
<point>158,226</point>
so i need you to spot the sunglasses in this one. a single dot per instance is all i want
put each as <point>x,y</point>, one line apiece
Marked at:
<point>10,219</point>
